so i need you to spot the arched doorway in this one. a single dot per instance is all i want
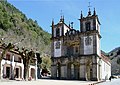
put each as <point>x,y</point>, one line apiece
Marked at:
<point>76,70</point>
<point>58,70</point>
<point>73,70</point>
<point>32,72</point>
<point>69,70</point>
<point>7,72</point>
<point>89,70</point>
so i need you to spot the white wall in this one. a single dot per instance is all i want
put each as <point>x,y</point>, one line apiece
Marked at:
<point>97,26</point>
<point>106,70</point>
<point>98,46</point>
<point>65,29</point>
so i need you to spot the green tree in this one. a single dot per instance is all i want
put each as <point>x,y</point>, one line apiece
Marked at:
<point>27,56</point>
<point>46,61</point>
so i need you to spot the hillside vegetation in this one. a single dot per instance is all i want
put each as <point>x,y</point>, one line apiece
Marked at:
<point>15,27</point>
<point>115,61</point>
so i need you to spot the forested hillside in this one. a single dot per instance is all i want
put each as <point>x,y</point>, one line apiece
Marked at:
<point>115,60</point>
<point>15,27</point>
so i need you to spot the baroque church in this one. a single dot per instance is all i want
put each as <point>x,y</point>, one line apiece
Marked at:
<point>76,54</point>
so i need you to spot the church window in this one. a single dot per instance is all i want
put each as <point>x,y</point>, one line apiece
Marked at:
<point>88,41</point>
<point>57,32</point>
<point>87,25</point>
<point>57,45</point>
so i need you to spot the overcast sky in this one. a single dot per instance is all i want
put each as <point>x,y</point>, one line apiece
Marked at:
<point>44,11</point>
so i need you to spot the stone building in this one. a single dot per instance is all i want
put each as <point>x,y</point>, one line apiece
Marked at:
<point>76,54</point>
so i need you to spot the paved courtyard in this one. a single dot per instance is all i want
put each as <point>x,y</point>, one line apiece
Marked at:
<point>46,82</point>
<point>112,82</point>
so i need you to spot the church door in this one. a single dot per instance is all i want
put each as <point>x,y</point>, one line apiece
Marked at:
<point>88,70</point>
<point>7,72</point>
<point>69,71</point>
<point>76,71</point>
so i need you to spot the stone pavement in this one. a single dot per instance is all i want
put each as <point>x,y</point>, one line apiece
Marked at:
<point>112,82</point>
<point>47,82</point>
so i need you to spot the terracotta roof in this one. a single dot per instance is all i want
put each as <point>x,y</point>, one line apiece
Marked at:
<point>106,59</point>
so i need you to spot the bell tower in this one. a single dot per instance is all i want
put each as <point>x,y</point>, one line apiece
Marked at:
<point>90,29</point>
<point>58,32</point>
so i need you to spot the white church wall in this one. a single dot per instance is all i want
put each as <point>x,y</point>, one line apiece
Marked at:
<point>98,26</point>
<point>106,70</point>
<point>98,46</point>
<point>60,30</point>
<point>65,29</point>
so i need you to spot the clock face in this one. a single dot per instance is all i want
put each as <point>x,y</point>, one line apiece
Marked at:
<point>57,45</point>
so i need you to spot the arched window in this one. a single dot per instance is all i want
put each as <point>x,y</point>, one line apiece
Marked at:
<point>88,26</point>
<point>57,32</point>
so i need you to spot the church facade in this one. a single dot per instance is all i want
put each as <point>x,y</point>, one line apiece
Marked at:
<point>76,54</point>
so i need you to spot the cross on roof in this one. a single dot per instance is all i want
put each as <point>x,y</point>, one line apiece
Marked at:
<point>89,12</point>
<point>61,13</point>
<point>89,5</point>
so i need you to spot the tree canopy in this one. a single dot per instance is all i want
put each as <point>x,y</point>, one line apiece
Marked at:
<point>15,26</point>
